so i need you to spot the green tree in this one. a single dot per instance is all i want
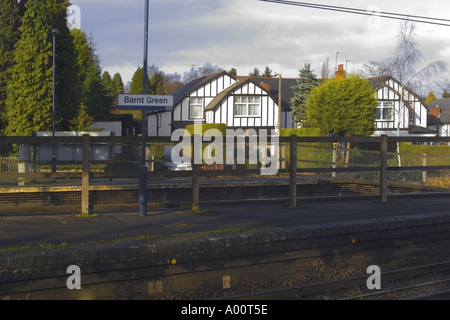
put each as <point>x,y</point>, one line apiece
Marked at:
<point>255,73</point>
<point>343,107</point>
<point>431,98</point>
<point>157,84</point>
<point>83,121</point>
<point>93,94</point>
<point>137,82</point>
<point>87,60</point>
<point>96,89</point>
<point>108,95</point>
<point>29,92</point>
<point>118,86</point>
<point>267,73</point>
<point>306,82</point>
<point>9,35</point>
<point>446,94</point>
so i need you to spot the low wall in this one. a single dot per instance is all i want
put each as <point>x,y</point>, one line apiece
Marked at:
<point>226,261</point>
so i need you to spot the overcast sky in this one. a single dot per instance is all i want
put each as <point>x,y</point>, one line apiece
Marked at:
<point>245,34</point>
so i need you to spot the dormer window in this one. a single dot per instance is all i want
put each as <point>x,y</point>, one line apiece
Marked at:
<point>196,108</point>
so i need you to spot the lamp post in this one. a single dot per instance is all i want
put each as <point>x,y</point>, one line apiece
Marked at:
<point>277,149</point>
<point>279,102</point>
<point>54,33</point>
<point>143,171</point>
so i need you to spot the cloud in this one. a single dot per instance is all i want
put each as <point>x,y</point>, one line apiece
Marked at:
<point>249,33</point>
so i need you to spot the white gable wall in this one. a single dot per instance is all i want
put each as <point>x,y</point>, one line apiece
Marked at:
<point>402,117</point>
<point>224,112</point>
<point>208,92</point>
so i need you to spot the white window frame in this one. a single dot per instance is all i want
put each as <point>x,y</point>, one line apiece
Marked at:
<point>382,111</point>
<point>245,105</point>
<point>195,103</point>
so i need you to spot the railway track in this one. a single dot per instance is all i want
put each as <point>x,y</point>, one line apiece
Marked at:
<point>424,282</point>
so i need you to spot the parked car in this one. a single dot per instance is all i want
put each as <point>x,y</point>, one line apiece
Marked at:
<point>172,166</point>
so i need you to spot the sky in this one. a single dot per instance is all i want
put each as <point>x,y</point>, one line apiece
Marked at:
<point>244,34</point>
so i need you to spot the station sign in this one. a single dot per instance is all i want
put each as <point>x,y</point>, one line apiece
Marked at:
<point>144,102</point>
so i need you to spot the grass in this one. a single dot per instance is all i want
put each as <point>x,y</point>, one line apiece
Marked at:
<point>198,211</point>
<point>439,181</point>
<point>90,215</point>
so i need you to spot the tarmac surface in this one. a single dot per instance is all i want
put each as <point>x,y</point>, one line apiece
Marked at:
<point>32,229</point>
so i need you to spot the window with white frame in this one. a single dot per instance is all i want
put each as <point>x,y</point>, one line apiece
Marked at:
<point>196,108</point>
<point>247,106</point>
<point>385,111</point>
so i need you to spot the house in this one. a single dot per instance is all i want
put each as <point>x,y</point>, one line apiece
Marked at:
<point>252,103</point>
<point>439,119</point>
<point>238,102</point>
<point>407,116</point>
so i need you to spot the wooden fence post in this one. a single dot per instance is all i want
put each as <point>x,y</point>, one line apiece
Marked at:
<point>335,159</point>
<point>424,172</point>
<point>383,168</point>
<point>85,176</point>
<point>196,164</point>
<point>293,172</point>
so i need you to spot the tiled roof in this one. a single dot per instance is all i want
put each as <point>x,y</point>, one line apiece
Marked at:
<point>179,94</point>
<point>378,81</point>
<point>286,89</point>
<point>223,94</point>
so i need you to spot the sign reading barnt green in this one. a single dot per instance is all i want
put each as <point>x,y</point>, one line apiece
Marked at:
<point>144,102</point>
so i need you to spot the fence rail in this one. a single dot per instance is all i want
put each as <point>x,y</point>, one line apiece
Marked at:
<point>88,165</point>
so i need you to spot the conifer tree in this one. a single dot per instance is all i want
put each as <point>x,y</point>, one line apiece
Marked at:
<point>343,107</point>
<point>431,97</point>
<point>9,35</point>
<point>87,60</point>
<point>306,82</point>
<point>267,73</point>
<point>118,84</point>
<point>93,94</point>
<point>29,93</point>
<point>83,121</point>
<point>137,82</point>
<point>108,95</point>
<point>157,84</point>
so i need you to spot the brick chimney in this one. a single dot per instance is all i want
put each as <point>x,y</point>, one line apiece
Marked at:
<point>435,112</point>
<point>340,73</point>
<point>265,86</point>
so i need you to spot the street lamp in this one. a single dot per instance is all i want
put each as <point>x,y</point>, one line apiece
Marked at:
<point>279,102</point>
<point>143,171</point>
<point>54,33</point>
<point>277,148</point>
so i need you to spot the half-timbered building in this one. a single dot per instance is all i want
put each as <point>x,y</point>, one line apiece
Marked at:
<point>252,103</point>
<point>400,111</point>
<point>239,103</point>
<point>439,119</point>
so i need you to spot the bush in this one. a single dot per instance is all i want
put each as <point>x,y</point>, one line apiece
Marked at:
<point>310,155</point>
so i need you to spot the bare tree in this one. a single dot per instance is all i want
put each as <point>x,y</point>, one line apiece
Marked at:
<point>325,74</point>
<point>406,63</point>
<point>405,66</point>
<point>200,71</point>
